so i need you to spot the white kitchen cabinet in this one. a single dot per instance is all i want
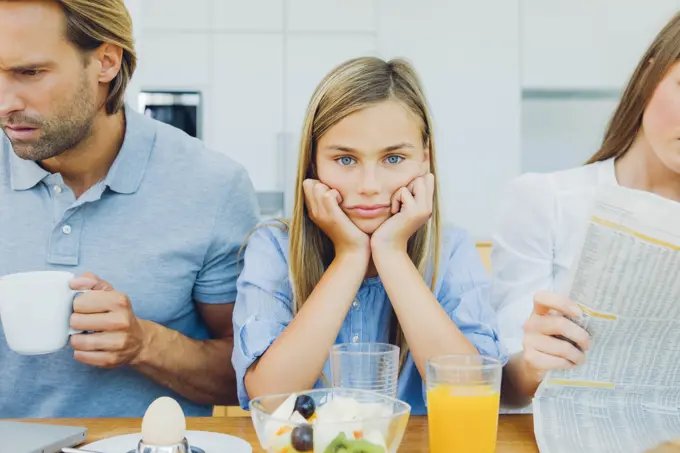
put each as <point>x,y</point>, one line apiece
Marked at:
<point>586,44</point>
<point>330,15</point>
<point>246,105</point>
<point>562,132</point>
<point>250,15</point>
<point>176,14</point>
<point>175,61</point>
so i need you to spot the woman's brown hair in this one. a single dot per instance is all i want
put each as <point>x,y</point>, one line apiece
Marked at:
<point>626,122</point>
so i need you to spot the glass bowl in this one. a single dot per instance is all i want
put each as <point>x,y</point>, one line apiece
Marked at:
<point>333,420</point>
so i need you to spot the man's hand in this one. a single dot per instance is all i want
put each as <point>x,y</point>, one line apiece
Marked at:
<point>118,336</point>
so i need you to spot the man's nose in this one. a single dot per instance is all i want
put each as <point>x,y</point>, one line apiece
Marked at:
<point>10,102</point>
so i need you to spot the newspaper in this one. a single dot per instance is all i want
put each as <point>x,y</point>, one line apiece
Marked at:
<point>626,279</point>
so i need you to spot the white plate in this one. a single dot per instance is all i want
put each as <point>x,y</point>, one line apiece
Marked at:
<point>210,442</point>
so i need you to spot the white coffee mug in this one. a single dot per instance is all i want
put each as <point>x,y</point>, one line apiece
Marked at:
<point>35,309</point>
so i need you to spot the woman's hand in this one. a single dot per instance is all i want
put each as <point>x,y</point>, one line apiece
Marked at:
<point>323,206</point>
<point>411,209</point>
<point>551,340</point>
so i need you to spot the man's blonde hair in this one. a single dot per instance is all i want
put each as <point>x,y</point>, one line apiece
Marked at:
<point>91,23</point>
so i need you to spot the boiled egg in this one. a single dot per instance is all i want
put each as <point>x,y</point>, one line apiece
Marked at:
<point>164,423</point>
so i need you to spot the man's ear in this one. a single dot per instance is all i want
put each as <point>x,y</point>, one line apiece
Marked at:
<point>110,57</point>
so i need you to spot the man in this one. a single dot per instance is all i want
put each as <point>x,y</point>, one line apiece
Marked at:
<point>150,220</point>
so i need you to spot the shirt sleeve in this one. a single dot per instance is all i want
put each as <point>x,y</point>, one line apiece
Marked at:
<point>464,295</point>
<point>522,254</point>
<point>263,305</point>
<point>236,217</point>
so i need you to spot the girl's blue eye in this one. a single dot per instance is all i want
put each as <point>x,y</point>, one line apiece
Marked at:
<point>346,160</point>
<point>394,159</point>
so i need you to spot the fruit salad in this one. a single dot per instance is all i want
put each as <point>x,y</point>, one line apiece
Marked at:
<point>342,425</point>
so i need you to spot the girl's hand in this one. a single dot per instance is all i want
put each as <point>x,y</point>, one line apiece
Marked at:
<point>411,209</point>
<point>323,206</point>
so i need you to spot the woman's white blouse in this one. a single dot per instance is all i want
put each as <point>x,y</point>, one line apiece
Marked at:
<point>541,225</point>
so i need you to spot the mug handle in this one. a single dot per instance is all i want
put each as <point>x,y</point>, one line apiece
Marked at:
<point>76,293</point>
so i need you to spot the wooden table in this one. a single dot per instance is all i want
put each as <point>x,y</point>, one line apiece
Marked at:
<point>515,432</point>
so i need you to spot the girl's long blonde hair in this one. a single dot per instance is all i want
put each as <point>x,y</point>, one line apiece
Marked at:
<point>352,86</point>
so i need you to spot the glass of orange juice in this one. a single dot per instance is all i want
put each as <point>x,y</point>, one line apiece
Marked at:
<point>463,397</point>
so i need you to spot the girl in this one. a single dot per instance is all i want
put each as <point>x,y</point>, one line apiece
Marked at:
<point>364,243</point>
<point>538,238</point>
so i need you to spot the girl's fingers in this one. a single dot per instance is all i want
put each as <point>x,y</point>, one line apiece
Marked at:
<point>405,198</point>
<point>395,202</point>
<point>308,188</point>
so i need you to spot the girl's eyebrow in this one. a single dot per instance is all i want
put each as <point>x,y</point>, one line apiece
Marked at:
<point>348,149</point>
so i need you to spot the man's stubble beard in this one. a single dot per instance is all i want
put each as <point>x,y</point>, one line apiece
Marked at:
<point>69,126</point>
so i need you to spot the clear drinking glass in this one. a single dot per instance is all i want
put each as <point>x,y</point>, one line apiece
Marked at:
<point>463,397</point>
<point>365,366</point>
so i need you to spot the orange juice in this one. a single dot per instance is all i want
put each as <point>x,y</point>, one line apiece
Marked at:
<point>462,419</point>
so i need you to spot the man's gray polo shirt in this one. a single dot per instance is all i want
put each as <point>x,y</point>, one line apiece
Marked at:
<point>165,227</point>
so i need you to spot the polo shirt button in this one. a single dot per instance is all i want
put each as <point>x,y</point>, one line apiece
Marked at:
<point>355,339</point>
<point>355,304</point>
<point>66,229</point>
<point>58,189</point>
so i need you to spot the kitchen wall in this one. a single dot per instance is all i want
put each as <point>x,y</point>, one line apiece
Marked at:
<point>468,54</point>
<point>514,85</point>
<point>587,44</point>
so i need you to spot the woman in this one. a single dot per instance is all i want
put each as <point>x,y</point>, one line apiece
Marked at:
<point>364,258</point>
<point>539,233</point>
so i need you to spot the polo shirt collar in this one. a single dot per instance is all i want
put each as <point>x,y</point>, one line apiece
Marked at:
<point>127,171</point>
<point>124,176</point>
<point>24,174</point>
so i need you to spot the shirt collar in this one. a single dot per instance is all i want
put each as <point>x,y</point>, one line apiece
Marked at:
<point>127,171</point>
<point>24,174</point>
<point>607,172</point>
<point>124,176</point>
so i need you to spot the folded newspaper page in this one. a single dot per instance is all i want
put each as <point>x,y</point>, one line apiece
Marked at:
<point>626,279</point>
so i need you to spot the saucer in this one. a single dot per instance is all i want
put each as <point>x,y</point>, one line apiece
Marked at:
<point>209,442</point>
